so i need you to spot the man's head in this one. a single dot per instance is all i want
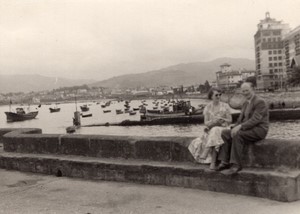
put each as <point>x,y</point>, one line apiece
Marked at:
<point>247,90</point>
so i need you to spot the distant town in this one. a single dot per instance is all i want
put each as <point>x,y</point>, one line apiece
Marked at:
<point>277,68</point>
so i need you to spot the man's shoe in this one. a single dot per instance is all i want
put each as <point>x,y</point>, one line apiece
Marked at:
<point>223,166</point>
<point>232,171</point>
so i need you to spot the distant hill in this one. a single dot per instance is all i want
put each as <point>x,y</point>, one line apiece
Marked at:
<point>181,74</point>
<point>28,83</point>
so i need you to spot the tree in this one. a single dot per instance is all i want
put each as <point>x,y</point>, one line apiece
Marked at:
<point>294,78</point>
<point>206,86</point>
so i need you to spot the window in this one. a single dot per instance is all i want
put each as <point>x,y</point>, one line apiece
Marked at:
<point>275,58</point>
<point>277,32</point>
<point>274,39</point>
<point>279,51</point>
<point>269,39</point>
<point>280,58</point>
<point>275,64</point>
<point>270,52</point>
<point>270,65</point>
<point>271,71</point>
<point>270,58</point>
<point>275,52</point>
<point>280,64</point>
<point>275,70</point>
<point>264,39</point>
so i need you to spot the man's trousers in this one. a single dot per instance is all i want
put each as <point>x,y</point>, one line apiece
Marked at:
<point>232,149</point>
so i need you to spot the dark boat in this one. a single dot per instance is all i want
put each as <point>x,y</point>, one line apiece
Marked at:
<point>71,129</point>
<point>84,108</point>
<point>180,109</point>
<point>118,111</point>
<point>106,111</point>
<point>132,113</point>
<point>136,109</point>
<point>20,115</point>
<point>86,115</point>
<point>55,109</point>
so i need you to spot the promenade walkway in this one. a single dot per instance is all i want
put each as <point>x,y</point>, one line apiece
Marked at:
<point>35,193</point>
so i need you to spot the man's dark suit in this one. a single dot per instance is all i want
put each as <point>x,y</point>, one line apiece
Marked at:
<point>254,121</point>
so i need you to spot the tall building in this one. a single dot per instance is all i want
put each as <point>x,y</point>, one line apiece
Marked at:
<point>270,53</point>
<point>292,49</point>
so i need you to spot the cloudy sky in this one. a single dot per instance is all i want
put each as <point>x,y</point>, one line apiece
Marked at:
<point>99,39</point>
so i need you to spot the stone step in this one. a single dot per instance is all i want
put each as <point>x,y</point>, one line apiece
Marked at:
<point>269,153</point>
<point>271,184</point>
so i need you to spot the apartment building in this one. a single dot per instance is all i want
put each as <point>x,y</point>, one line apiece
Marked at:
<point>292,50</point>
<point>270,53</point>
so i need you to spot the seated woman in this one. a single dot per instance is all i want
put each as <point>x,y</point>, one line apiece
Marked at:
<point>217,117</point>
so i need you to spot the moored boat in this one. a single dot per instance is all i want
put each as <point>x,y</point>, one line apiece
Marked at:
<point>84,108</point>
<point>54,109</point>
<point>20,115</point>
<point>119,111</point>
<point>86,115</point>
<point>179,109</point>
<point>132,113</point>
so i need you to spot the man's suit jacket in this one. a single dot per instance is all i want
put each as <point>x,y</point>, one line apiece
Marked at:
<point>258,115</point>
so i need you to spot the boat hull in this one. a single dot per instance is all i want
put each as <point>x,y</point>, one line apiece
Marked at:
<point>52,110</point>
<point>11,116</point>
<point>87,115</point>
<point>84,108</point>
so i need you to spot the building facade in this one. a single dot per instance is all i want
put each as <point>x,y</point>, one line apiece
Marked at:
<point>270,53</point>
<point>229,79</point>
<point>292,50</point>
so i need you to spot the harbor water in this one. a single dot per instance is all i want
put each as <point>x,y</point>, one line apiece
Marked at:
<point>56,123</point>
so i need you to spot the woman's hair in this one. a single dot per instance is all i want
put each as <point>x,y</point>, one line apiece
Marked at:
<point>211,92</point>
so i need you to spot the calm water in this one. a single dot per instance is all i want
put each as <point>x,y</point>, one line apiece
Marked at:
<point>57,122</point>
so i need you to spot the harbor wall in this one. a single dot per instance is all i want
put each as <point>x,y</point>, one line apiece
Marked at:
<point>268,153</point>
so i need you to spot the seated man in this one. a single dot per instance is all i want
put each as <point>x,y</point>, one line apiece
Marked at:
<point>252,126</point>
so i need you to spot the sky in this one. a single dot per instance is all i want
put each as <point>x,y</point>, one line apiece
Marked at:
<point>100,39</point>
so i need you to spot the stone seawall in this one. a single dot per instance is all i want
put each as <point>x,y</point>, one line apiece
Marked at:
<point>272,166</point>
<point>268,153</point>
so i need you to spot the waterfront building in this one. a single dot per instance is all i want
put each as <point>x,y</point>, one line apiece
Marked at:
<point>213,84</point>
<point>292,50</point>
<point>229,79</point>
<point>140,93</point>
<point>270,53</point>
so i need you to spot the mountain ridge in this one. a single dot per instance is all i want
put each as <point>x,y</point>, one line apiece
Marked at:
<point>179,74</point>
<point>174,75</point>
<point>35,82</point>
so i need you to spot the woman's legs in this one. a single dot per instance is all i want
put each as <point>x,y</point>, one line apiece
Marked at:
<point>213,159</point>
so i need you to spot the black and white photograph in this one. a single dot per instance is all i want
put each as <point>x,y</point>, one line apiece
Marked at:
<point>149,107</point>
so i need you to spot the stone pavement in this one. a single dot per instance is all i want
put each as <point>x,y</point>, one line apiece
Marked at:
<point>35,193</point>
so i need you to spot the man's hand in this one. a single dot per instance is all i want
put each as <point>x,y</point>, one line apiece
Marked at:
<point>235,130</point>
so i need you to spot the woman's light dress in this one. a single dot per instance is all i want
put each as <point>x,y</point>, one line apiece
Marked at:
<point>201,146</point>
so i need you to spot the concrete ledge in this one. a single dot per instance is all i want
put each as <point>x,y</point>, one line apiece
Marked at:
<point>268,153</point>
<point>281,186</point>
